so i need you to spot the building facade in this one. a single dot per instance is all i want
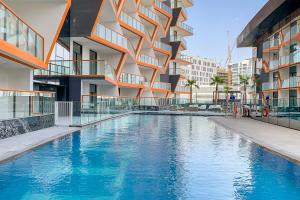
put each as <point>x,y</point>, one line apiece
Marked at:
<point>122,48</point>
<point>201,70</point>
<point>224,74</point>
<point>276,57</point>
<point>243,68</point>
<point>29,30</point>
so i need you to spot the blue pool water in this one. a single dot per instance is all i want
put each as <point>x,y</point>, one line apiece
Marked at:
<point>147,157</point>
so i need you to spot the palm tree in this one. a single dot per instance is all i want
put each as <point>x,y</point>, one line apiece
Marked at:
<point>191,84</point>
<point>216,80</point>
<point>244,81</point>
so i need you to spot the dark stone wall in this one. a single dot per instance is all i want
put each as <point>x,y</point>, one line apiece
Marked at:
<point>12,127</point>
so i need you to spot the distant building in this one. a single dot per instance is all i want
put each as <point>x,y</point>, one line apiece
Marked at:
<point>243,68</point>
<point>202,70</point>
<point>223,73</point>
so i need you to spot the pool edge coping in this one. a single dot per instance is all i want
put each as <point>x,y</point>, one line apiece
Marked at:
<point>270,148</point>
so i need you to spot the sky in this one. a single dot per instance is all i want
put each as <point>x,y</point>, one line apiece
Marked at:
<point>212,19</point>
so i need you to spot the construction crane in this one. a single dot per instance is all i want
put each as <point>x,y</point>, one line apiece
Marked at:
<point>229,58</point>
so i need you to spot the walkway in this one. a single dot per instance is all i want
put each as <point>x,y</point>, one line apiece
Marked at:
<point>14,146</point>
<point>281,140</point>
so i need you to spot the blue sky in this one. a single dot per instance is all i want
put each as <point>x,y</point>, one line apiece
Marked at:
<point>212,19</point>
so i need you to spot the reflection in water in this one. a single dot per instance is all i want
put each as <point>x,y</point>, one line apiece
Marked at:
<point>151,157</point>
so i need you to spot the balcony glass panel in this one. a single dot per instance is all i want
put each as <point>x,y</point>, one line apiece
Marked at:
<point>149,13</point>
<point>132,22</point>
<point>132,79</point>
<point>16,32</point>
<point>163,6</point>
<point>83,67</point>
<point>185,27</point>
<point>149,60</point>
<point>110,35</point>
<point>162,85</point>
<point>162,45</point>
<point>295,57</point>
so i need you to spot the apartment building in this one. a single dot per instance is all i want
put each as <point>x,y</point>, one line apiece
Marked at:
<point>224,74</point>
<point>274,34</point>
<point>202,70</point>
<point>121,48</point>
<point>243,68</point>
<point>28,32</point>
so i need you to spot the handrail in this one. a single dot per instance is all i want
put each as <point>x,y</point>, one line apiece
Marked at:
<point>13,92</point>
<point>74,67</point>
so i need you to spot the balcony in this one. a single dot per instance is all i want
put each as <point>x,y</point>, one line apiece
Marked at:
<point>131,21</point>
<point>149,13</point>
<point>162,85</point>
<point>111,36</point>
<point>185,27</point>
<point>178,38</point>
<point>163,6</point>
<point>270,86</point>
<point>79,68</point>
<point>25,103</point>
<point>182,89</point>
<point>177,71</point>
<point>185,58</point>
<point>149,60</point>
<point>295,28</point>
<point>161,45</point>
<point>133,79</point>
<point>295,57</point>
<point>284,60</point>
<point>274,64</point>
<point>291,82</point>
<point>15,31</point>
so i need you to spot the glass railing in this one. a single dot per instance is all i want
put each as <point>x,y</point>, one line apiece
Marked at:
<point>284,60</point>
<point>161,45</point>
<point>286,33</point>
<point>149,60</point>
<point>162,85</point>
<point>295,28</point>
<point>266,44</point>
<point>274,64</point>
<point>149,13</point>
<point>16,32</point>
<point>185,58</point>
<point>131,21</point>
<point>83,67</point>
<point>163,6</point>
<point>177,38</point>
<point>274,43</point>
<point>295,57</point>
<point>270,86</point>
<point>132,79</point>
<point>25,103</point>
<point>185,27</point>
<point>291,82</point>
<point>182,89</point>
<point>111,36</point>
<point>176,71</point>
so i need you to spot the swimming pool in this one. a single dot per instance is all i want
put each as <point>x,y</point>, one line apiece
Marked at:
<point>151,157</point>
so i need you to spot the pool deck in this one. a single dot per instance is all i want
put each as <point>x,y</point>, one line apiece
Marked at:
<point>16,145</point>
<point>281,140</point>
